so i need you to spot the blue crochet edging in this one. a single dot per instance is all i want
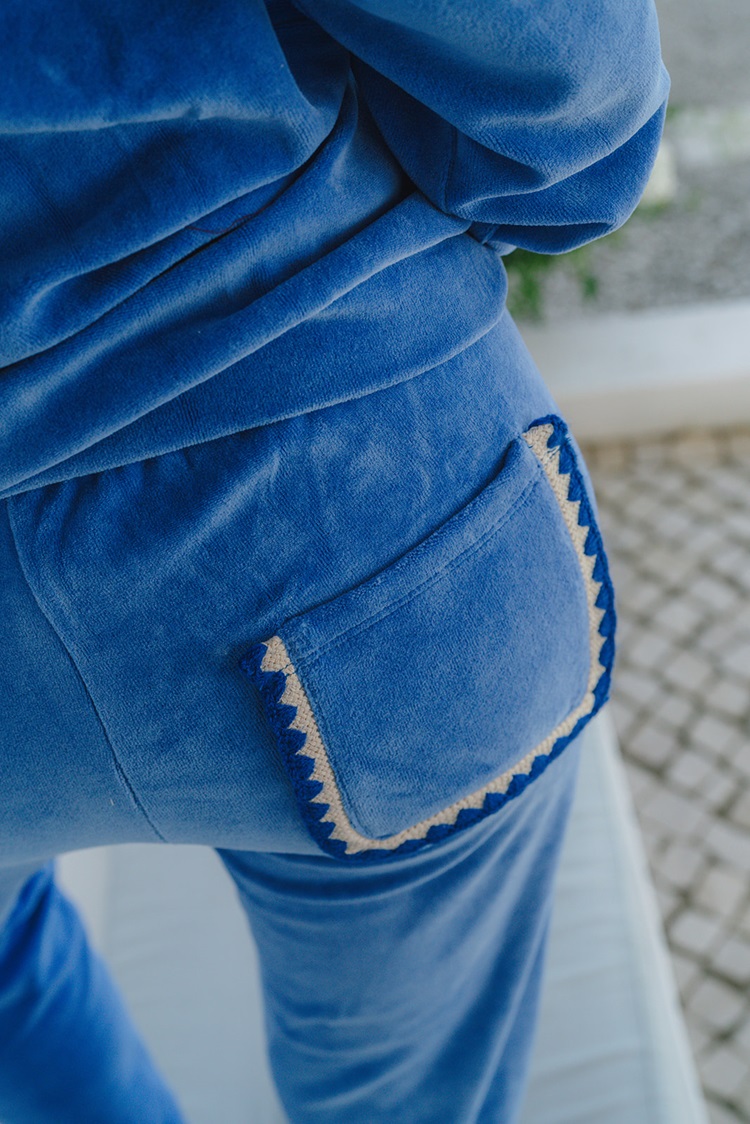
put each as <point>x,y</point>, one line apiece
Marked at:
<point>272,684</point>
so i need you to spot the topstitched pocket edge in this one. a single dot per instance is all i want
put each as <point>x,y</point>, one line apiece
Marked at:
<point>291,713</point>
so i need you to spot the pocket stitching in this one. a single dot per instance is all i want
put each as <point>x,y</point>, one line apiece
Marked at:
<point>294,722</point>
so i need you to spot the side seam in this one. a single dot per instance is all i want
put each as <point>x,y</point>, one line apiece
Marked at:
<point>115,760</point>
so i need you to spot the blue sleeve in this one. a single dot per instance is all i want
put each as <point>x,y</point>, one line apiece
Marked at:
<point>539,120</point>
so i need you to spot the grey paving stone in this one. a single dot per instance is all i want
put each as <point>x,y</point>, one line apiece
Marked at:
<point>716,594</point>
<point>625,715</point>
<point>651,650</point>
<point>652,745</point>
<point>635,685</point>
<point>693,447</point>
<point>729,843</point>
<point>641,780</point>
<point>742,1035</point>
<point>676,524</point>
<point>718,1005</point>
<point>732,960</point>
<point>623,574</point>
<point>728,559</point>
<point>643,506</point>
<point>694,931</point>
<point>744,923</point>
<point>723,1071</point>
<point>738,756</point>
<point>738,524</point>
<point>645,595</point>
<point>731,486</point>
<point>722,889</point>
<point>680,864</point>
<point>720,1114</point>
<point>669,902</point>
<point>740,810</point>
<point>670,482</point>
<point>738,442</point>
<point>731,696</point>
<point>742,578</point>
<point>736,658</point>
<point>678,616</point>
<point>689,670</point>
<point>687,973</point>
<point>700,1038</point>
<point>718,791</point>
<point>647,454</point>
<point>700,501</point>
<point>730,483</point>
<point>689,771</point>
<point>742,1100</point>
<point>627,631</point>
<point>703,543</point>
<point>605,459</point>
<point>741,612</point>
<point>711,733</point>
<point>628,538</point>
<point>682,818</point>
<point>670,564</point>
<point>716,638</point>
<point>654,835</point>
<point>672,710</point>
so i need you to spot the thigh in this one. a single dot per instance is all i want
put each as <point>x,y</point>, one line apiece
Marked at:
<point>407,991</point>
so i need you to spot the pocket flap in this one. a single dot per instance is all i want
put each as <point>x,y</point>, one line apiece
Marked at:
<point>425,698</point>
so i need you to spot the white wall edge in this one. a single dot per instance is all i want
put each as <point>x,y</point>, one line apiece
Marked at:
<point>653,372</point>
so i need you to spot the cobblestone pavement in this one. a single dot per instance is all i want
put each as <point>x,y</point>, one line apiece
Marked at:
<point>675,515</point>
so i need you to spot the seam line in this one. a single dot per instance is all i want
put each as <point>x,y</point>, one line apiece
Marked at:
<point>118,766</point>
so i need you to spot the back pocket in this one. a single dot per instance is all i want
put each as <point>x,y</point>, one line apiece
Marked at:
<point>427,697</point>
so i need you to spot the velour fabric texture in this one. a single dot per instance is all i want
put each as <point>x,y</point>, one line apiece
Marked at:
<point>454,676</point>
<point>70,1052</point>
<point>408,990</point>
<point>215,217</point>
<point>158,577</point>
<point>254,355</point>
<point>129,598</point>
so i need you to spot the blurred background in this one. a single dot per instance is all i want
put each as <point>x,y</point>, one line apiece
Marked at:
<point>689,240</point>
<point>644,338</point>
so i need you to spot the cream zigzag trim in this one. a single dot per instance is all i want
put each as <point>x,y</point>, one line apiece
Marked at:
<point>276,658</point>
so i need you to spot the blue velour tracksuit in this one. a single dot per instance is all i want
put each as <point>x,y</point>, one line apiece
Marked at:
<point>299,560</point>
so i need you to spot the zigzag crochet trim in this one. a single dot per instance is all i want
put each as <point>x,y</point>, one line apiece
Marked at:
<point>292,720</point>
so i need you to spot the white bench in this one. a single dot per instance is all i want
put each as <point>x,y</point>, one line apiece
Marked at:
<point>611,1047</point>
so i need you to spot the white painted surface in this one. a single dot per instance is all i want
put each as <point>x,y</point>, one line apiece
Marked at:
<point>612,1045</point>
<point>707,136</point>
<point>628,375</point>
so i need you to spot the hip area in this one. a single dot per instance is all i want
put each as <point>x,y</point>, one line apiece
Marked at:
<point>160,576</point>
<point>268,522</point>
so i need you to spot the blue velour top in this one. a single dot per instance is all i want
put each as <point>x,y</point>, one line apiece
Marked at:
<point>217,216</point>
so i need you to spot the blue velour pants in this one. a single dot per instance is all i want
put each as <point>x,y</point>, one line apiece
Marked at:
<point>407,549</point>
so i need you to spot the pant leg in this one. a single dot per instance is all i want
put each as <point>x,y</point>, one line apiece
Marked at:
<point>69,1051</point>
<point>407,992</point>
